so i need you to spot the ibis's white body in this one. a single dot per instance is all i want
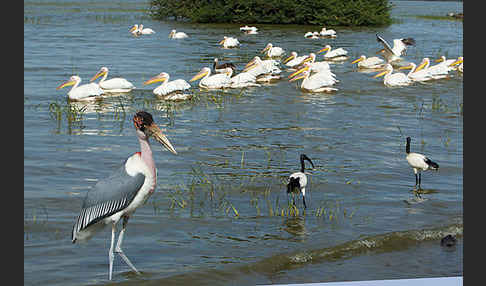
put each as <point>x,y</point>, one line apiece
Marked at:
<point>302,180</point>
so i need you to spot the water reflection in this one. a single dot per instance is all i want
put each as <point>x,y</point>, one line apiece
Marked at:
<point>295,226</point>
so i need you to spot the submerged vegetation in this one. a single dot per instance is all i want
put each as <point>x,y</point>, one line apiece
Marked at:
<point>311,12</point>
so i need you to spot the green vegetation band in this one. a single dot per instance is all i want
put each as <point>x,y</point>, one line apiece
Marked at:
<point>302,12</point>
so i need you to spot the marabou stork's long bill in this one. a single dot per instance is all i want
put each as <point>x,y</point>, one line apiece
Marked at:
<point>298,180</point>
<point>118,196</point>
<point>419,163</point>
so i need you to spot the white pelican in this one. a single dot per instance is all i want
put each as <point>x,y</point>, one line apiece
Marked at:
<point>177,35</point>
<point>311,60</point>
<point>443,68</point>
<point>229,42</point>
<point>113,85</point>
<point>312,35</point>
<point>243,79</point>
<point>90,91</point>
<point>398,50</point>
<point>460,63</point>
<point>416,74</point>
<point>393,79</point>
<point>145,31</point>
<point>139,30</point>
<point>308,35</point>
<point>293,60</point>
<point>298,180</point>
<point>169,90</point>
<point>249,30</point>
<point>271,51</point>
<point>264,71</point>
<point>327,33</point>
<point>320,81</point>
<point>208,81</point>
<point>223,67</point>
<point>338,54</point>
<point>443,61</point>
<point>369,63</point>
<point>252,31</point>
<point>419,163</point>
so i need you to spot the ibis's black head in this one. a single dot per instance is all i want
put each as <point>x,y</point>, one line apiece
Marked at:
<point>142,120</point>
<point>302,164</point>
<point>407,147</point>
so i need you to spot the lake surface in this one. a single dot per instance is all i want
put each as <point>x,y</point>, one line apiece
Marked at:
<point>220,213</point>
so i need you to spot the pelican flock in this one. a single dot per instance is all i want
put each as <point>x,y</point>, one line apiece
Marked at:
<point>110,202</point>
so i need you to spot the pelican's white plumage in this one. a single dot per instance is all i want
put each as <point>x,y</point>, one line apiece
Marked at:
<point>229,42</point>
<point>338,54</point>
<point>294,60</point>
<point>85,92</point>
<point>177,35</point>
<point>321,81</point>
<point>243,79</point>
<point>113,85</point>
<point>169,90</point>
<point>327,33</point>
<point>138,30</point>
<point>271,51</point>
<point>263,70</point>
<point>208,81</point>
<point>249,30</point>
<point>316,66</point>
<point>394,79</point>
<point>145,31</point>
<point>418,75</point>
<point>369,63</point>
<point>308,35</point>
<point>438,70</point>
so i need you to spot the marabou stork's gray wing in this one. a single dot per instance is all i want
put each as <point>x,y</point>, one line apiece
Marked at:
<point>108,197</point>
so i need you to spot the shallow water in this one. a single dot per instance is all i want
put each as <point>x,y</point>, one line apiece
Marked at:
<point>216,217</point>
